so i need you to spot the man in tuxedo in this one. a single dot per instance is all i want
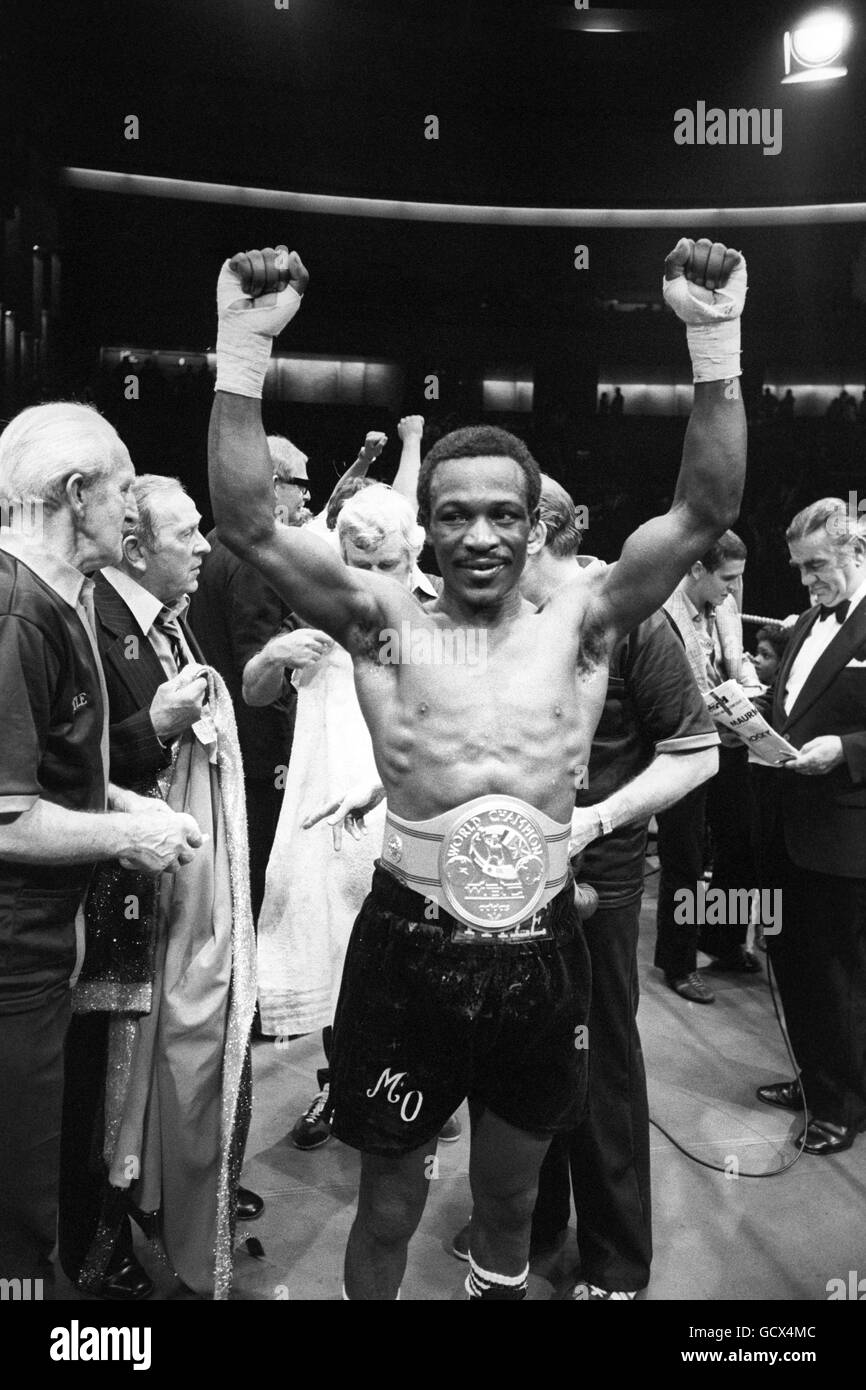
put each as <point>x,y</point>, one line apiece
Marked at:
<point>134,987</point>
<point>813,830</point>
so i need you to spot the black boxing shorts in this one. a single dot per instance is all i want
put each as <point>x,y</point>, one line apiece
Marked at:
<point>426,1018</point>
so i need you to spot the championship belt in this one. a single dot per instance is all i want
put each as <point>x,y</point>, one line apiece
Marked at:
<point>492,863</point>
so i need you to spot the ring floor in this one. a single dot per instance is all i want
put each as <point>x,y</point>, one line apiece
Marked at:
<point>716,1237</point>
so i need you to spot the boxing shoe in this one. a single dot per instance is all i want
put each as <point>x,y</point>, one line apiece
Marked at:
<point>821,1138</point>
<point>788,1095</point>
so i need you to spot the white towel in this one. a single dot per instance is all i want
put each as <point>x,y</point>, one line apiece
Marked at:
<point>312,894</point>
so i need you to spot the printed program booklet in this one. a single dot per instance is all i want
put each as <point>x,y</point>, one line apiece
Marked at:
<point>731,706</point>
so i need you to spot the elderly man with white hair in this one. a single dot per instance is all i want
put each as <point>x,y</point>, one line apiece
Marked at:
<point>312,896</point>
<point>65,477</point>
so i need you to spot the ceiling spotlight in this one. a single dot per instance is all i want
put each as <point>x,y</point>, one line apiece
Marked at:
<point>813,48</point>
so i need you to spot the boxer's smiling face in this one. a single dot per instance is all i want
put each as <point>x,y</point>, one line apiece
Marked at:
<point>479,527</point>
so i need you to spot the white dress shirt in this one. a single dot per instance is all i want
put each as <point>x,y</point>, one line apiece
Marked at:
<point>145,608</point>
<point>821,634</point>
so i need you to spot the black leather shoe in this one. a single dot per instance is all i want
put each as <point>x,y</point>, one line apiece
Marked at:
<point>786,1094</point>
<point>822,1141</point>
<point>127,1284</point>
<point>250,1205</point>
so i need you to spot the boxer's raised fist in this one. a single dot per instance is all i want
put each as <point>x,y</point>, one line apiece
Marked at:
<point>704,262</point>
<point>705,282</point>
<point>258,293</point>
<point>270,270</point>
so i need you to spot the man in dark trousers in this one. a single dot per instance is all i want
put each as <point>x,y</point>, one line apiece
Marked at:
<point>813,830</point>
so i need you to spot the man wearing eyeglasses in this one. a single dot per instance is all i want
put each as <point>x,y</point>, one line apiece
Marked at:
<point>291,484</point>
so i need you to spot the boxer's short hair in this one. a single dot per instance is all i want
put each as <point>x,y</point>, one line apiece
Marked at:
<point>559,515</point>
<point>828,514</point>
<point>42,447</point>
<point>478,441</point>
<point>727,547</point>
<point>146,490</point>
<point>375,513</point>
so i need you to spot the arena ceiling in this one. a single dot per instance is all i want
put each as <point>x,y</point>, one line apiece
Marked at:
<point>334,96</point>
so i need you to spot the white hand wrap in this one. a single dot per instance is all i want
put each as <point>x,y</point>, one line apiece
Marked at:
<point>713,323</point>
<point>246,330</point>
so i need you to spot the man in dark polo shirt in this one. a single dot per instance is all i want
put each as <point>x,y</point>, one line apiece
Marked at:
<point>64,479</point>
<point>654,742</point>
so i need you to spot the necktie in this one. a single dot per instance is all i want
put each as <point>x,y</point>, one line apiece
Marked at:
<point>838,610</point>
<point>168,625</point>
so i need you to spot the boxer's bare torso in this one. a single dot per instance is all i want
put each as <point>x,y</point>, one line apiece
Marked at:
<point>509,717</point>
<point>516,722</point>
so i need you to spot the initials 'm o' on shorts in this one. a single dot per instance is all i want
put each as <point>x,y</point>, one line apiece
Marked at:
<point>424,1021</point>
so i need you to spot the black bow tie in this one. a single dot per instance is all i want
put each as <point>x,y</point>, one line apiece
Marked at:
<point>839,611</point>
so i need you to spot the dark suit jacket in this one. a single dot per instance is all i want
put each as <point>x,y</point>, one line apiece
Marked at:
<point>824,818</point>
<point>235,612</point>
<point>132,675</point>
<point>116,961</point>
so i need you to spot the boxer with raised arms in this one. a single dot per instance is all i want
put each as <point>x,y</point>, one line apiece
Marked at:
<point>467,972</point>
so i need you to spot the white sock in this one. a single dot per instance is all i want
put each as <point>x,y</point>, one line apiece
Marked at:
<point>484,1284</point>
